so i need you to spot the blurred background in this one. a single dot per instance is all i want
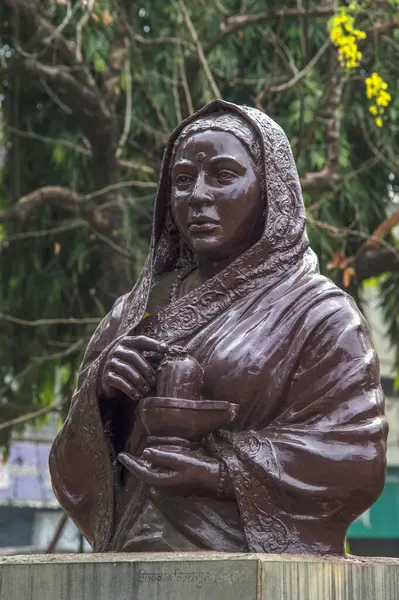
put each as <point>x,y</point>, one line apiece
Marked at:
<point>89,91</point>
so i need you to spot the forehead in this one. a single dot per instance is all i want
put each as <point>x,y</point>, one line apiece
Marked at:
<point>207,144</point>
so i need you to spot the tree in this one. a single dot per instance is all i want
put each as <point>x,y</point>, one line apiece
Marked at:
<point>91,89</point>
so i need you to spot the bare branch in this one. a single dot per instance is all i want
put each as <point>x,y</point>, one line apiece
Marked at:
<point>47,322</point>
<point>175,89</point>
<point>79,29</point>
<point>62,354</point>
<point>393,166</point>
<point>119,186</point>
<point>56,195</point>
<point>300,74</point>
<point>54,97</point>
<point>375,263</point>
<point>129,107</point>
<point>332,116</point>
<point>32,416</point>
<point>47,33</point>
<point>116,247</point>
<point>118,57</point>
<point>66,199</point>
<point>186,88</point>
<point>127,164</point>
<point>200,51</point>
<point>316,182</point>
<point>366,166</point>
<point>238,22</point>
<point>134,166</point>
<point>75,224</point>
<point>48,140</point>
<point>162,40</point>
<point>66,20</point>
<point>222,9</point>
<point>77,96</point>
<point>57,534</point>
<point>329,111</point>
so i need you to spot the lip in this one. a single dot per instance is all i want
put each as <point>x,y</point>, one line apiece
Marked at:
<point>203,227</point>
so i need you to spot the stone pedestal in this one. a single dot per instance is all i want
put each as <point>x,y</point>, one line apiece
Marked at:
<point>196,577</point>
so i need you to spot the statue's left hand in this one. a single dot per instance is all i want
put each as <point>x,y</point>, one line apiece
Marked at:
<point>184,472</point>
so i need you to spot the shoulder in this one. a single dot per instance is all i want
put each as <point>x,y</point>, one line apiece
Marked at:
<point>335,325</point>
<point>328,302</point>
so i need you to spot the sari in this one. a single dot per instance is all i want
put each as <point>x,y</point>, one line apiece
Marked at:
<point>306,454</point>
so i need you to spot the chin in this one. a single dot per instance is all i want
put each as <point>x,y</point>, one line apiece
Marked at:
<point>208,246</point>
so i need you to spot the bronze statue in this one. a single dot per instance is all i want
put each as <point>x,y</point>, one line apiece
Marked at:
<point>231,401</point>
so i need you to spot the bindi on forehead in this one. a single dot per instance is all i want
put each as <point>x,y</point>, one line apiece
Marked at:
<point>201,156</point>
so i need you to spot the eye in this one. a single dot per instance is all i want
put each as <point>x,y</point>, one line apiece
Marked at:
<point>183,179</point>
<point>225,176</point>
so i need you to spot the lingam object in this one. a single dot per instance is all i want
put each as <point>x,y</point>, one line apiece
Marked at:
<point>231,401</point>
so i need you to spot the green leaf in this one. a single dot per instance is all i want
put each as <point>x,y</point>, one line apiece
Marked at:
<point>59,154</point>
<point>100,66</point>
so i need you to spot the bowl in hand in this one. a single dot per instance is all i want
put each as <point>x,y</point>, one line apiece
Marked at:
<point>188,419</point>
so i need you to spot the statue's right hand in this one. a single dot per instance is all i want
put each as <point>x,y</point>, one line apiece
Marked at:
<point>125,369</point>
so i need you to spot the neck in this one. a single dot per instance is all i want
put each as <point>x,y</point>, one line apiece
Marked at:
<point>210,266</point>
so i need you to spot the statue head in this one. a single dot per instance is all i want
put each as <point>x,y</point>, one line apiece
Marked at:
<point>254,198</point>
<point>217,186</point>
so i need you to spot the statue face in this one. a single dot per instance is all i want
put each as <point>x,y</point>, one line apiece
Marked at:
<point>216,195</point>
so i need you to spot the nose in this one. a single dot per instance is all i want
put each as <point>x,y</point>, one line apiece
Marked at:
<point>201,192</point>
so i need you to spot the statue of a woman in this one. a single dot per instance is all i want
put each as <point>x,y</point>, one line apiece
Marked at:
<point>255,349</point>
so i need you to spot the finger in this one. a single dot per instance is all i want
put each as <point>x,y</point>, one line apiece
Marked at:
<point>163,458</point>
<point>138,468</point>
<point>141,342</point>
<point>133,358</point>
<point>112,380</point>
<point>129,374</point>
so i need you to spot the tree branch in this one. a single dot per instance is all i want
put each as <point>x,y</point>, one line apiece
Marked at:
<point>392,166</point>
<point>47,322</point>
<point>50,36</point>
<point>301,74</point>
<point>238,22</point>
<point>55,195</point>
<point>64,198</point>
<point>118,57</point>
<point>127,164</point>
<point>68,226</point>
<point>374,263</point>
<point>46,33</point>
<point>329,111</point>
<point>200,51</point>
<point>129,108</point>
<point>31,416</point>
<point>57,534</point>
<point>77,96</point>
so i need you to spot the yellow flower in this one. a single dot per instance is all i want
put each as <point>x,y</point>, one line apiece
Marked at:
<point>385,96</point>
<point>345,38</point>
<point>373,110</point>
<point>382,102</point>
<point>379,122</point>
<point>361,35</point>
